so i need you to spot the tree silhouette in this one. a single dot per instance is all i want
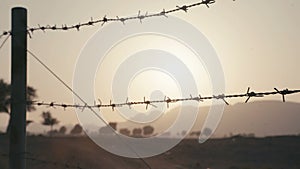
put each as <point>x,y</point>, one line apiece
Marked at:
<point>137,132</point>
<point>207,131</point>
<point>125,131</point>
<point>62,130</point>
<point>113,125</point>
<point>49,120</point>
<point>5,93</point>
<point>148,130</point>
<point>4,96</point>
<point>76,130</point>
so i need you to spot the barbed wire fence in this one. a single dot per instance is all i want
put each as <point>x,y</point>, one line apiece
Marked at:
<point>128,103</point>
<point>249,94</point>
<point>139,17</point>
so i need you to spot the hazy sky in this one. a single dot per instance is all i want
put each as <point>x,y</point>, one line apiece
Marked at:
<point>257,42</point>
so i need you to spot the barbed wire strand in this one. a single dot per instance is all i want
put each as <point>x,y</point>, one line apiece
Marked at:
<point>4,41</point>
<point>87,106</point>
<point>105,19</point>
<point>167,100</point>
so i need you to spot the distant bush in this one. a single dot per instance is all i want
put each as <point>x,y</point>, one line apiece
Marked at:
<point>53,132</point>
<point>137,132</point>
<point>125,131</point>
<point>113,125</point>
<point>76,130</point>
<point>148,130</point>
<point>62,130</point>
<point>48,120</point>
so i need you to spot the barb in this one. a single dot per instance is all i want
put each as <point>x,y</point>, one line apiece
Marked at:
<point>285,92</point>
<point>166,100</point>
<point>252,94</point>
<point>5,33</point>
<point>105,19</point>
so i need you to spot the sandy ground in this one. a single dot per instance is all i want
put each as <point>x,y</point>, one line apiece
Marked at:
<point>230,153</point>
